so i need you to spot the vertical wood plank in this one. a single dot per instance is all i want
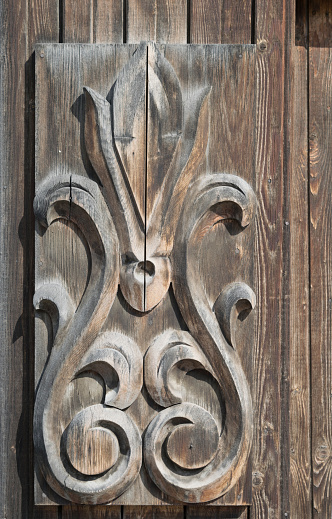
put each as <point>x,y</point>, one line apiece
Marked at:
<point>108,21</point>
<point>43,22</point>
<point>14,492</point>
<point>275,23</point>
<point>21,25</point>
<point>162,21</point>
<point>220,21</point>
<point>299,374</point>
<point>43,26</point>
<point>93,21</point>
<point>78,21</point>
<point>320,138</point>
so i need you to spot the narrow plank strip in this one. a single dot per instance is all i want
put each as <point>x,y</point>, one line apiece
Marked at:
<point>220,21</point>
<point>46,512</point>
<point>162,21</point>
<point>14,395</point>
<point>270,359</point>
<point>153,512</point>
<point>299,374</point>
<point>213,512</point>
<point>320,136</point>
<point>91,512</point>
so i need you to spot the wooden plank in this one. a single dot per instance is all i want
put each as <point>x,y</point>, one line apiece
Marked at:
<point>212,512</point>
<point>46,512</point>
<point>299,374</point>
<point>92,21</point>
<point>20,30</point>
<point>91,512</point>
<point>153,512</point>
<point>14,447</point>
<point>220,21</point>
<point>162,21</point>
<point>271,369</point>
<point>320,124</point>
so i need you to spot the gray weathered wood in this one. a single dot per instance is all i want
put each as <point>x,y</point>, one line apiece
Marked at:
<point>162,21</point>
<point>220,21</point>
<point>106,215</point>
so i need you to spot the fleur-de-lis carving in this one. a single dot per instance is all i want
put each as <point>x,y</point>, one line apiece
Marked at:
<point>143,246</point>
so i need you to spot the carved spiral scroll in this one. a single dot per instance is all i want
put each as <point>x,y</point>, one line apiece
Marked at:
<point>80,200</point>
<point>216,197</point>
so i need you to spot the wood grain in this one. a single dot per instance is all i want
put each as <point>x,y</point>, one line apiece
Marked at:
<point>212,512</point>
<point>14,447</point>
<point>300,494</point>
<point>320,124</point>
<point>220,21</point>
<point>153,512</point>
<point>18,34</point>
<point>92,21</point>
<point>162,21</point>
<point>91,512</point>
<point>270,489</point>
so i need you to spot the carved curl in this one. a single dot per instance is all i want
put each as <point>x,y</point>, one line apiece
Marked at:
<point>227,196</point>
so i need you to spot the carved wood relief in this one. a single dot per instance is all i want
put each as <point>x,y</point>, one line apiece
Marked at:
<point>137,186</point>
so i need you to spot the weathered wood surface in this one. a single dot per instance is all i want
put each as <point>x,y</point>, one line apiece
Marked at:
<point>64,194</point>
<point>320,124</point>
<point>162,21</point>
<point>42,23</point>
<point>92,21</point>
<point>220,21</point>
<point>198,512</point>
<point>271,444</point>
<point>299,357</point>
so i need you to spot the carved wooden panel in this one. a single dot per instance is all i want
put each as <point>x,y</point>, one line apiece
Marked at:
<point>144,240</point>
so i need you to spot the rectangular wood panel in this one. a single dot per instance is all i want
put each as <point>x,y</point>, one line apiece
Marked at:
<point>226,82</point>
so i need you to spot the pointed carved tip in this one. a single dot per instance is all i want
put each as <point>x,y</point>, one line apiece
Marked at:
<point>235,302</point>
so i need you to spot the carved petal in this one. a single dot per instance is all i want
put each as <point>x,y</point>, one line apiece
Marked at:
<point>187,157</point>
<point>115,352</point>
<point>98,132</point>
<point>234,300</point>
<point>54,299</point>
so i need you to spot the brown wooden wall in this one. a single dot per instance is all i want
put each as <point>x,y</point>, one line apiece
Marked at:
<point>292,451</point>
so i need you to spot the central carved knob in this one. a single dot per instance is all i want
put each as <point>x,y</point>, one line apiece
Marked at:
<point>142,269</point>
